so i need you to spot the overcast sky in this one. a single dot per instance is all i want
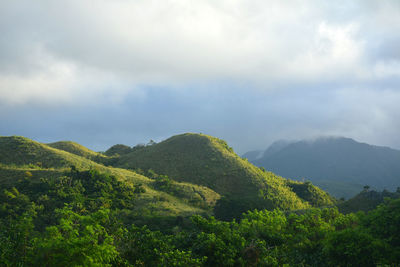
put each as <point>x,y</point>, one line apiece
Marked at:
<point>250,72</point>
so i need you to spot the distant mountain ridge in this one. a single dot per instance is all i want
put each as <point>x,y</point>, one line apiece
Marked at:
<point>340,165</point>
<point>253,155</point>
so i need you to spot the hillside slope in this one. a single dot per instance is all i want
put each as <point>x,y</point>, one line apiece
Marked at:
<point>336,164</point>
<point>19,150</point>
<point>208,161</point>
<point>22,158</point>
<point>367,200</point>
<point>76,149</point>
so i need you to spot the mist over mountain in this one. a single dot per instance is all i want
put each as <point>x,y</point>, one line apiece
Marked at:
<point>339,165</point>
<point>253,155</point>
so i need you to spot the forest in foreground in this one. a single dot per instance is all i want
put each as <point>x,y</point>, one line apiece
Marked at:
<point>82,208</point>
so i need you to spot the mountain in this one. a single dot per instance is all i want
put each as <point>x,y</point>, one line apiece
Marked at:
<point>339,165</point>
<point>208,161</point>
<point>275,147</point>
<point>258,154</point>
<point>253,155</point>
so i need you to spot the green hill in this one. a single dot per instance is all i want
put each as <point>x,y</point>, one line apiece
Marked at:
<point>367,200</point>
<point>90,214</point>
<point>188,174</point>
<point>22,158</point>
<point>19,150</point>
<point>310,193</point>
<point>76,149</point>
<point>118,149</point>
<point>209,161</point>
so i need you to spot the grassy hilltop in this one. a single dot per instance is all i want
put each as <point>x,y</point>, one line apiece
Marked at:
<point>19,150</point>
<point>76,149</point>
<point>22,158</point>
<point>184,174</point>
<point>209,161</point>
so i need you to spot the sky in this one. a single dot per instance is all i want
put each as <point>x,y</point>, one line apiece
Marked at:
<point>248,71</point>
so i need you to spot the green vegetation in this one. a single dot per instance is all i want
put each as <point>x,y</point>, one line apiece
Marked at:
<point>367,200</point>
<point>83,219</point>
<point>118,150</point>
<point>209,161</point>
<point>19,151</point>
<point>77,149</point>
<point>60,208</point>
<point>19,156</point>
<point>312,194</point>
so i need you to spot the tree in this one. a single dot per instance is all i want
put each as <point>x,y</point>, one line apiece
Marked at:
<point>353,247</point>
<point>76,241</point>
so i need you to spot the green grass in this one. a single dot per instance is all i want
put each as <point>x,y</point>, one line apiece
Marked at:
<point>77,149</point>
<point>19,150</point>
<point>151,202</point>
<point>22,158</point>
<point>310,193</point>
<point>200,170</point>
<point>209,161</point>
<point>9,176</point>
<point>182,195</point>
<point>118,150</point>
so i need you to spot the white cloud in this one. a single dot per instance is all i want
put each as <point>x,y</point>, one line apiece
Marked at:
<point>384,69</point>
<point>333,53</point>
<point>78,52</point>
<point>180,42</point>
<point>54,82</point>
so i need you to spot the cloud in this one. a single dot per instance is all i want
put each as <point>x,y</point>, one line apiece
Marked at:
<point>273,69</point>
<point>172,43</point>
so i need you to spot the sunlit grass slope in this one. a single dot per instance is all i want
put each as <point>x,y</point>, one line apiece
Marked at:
<point>310,193</point>
<point>22,158</point>
<point>76,149</point>
<point>209,161</point>
<point>19,150</point>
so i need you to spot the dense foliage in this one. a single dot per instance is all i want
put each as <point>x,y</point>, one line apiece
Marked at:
<point>58,207</point>
<point>82,219</point>
<point>367,200</point>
